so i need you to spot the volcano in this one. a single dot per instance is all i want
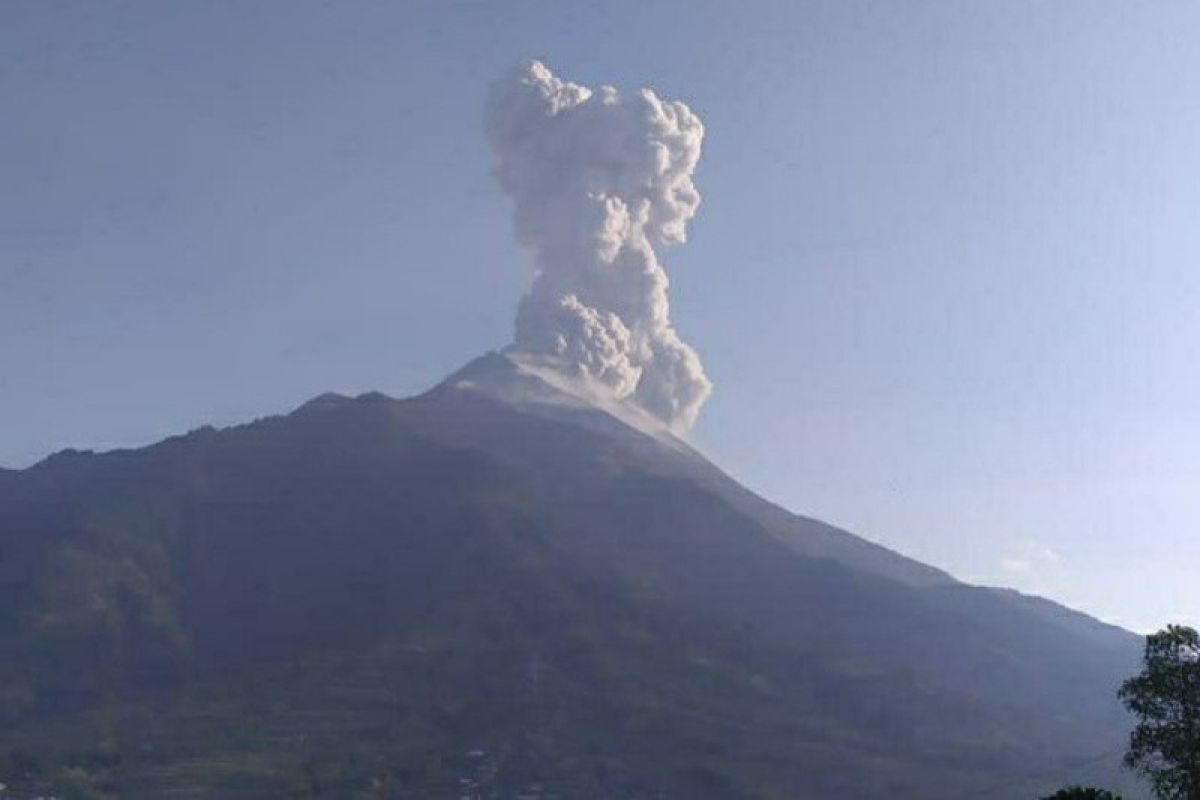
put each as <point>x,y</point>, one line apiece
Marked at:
<point>507,586</point>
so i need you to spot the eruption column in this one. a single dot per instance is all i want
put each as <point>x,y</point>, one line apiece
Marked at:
<point>598,181</point>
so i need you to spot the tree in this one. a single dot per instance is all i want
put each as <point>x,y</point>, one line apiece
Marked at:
<point>1082,793</point>
<point>1165,745</point>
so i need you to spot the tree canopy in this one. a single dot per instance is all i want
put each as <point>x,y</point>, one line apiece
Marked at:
<point>1082,793</point>
<point>1165,745</point>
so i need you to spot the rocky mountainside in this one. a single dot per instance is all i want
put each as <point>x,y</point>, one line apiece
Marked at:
<point>506,587</point>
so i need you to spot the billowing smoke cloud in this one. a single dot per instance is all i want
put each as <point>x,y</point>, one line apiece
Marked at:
<point>599,180</point>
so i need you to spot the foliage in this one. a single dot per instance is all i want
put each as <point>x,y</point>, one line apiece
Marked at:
<point>1082,793</point>
<point>1165,745</point>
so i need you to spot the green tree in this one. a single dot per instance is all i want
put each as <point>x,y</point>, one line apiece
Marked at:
<point>1082,793</point>
<point>1165,745</point>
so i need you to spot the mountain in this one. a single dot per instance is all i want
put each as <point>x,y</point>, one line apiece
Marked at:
<point>506,587</point>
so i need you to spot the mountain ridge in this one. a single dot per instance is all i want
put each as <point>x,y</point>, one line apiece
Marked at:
<point>834,542</point>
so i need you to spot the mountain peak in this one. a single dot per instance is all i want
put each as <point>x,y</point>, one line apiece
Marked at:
<point>325,402</point>
<point>543,385</point>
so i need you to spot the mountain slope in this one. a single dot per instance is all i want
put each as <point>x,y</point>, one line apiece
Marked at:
<point>658,450</point>
<point>504,582</point>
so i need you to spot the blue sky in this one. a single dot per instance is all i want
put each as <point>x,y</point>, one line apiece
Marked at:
<point>944,277</point>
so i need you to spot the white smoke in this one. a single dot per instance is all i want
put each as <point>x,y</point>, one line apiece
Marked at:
<point>598,180</point>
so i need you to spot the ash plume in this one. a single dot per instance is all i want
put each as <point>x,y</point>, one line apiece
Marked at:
<point>599,180</point>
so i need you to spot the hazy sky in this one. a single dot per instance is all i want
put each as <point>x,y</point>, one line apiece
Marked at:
<point>944,277</point>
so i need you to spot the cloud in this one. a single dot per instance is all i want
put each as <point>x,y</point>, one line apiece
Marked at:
<point>599,180</point>
<point>1030,559</point>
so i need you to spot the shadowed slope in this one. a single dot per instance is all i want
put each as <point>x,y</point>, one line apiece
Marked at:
<point>361,593</point>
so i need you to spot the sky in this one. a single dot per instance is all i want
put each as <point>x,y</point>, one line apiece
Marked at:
<point>943,277</point>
